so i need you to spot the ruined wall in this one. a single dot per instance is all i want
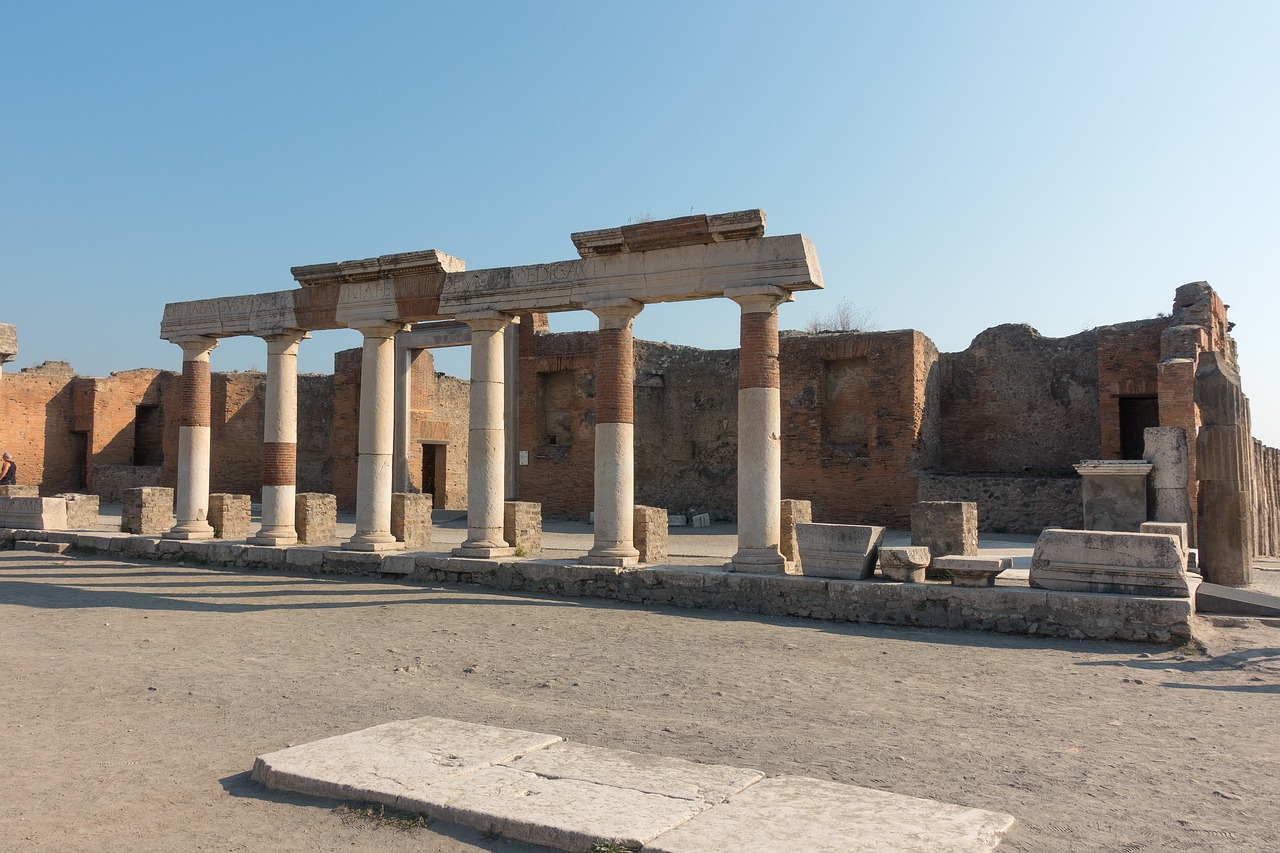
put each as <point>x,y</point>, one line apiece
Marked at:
<point>238,402</point>
<point>315,433</point>
<point>1128,371</point>
<point>856,422</point>
<point>35,419</point>
<point>128,439</point>
<point>1010,503</point>
<point>1266,482</point>
<point>346,427</point>
<point>439,419</point>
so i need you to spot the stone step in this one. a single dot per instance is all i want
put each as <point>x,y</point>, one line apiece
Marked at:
<point>46,547</point>
<point>545,790</point>
<point>1229,601</point>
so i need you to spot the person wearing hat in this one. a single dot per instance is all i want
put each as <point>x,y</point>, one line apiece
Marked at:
<point>8,470</point>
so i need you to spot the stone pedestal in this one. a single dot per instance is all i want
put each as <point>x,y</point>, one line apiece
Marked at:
<point>793,513</point>
<point>82,511</point>
<point>522,526</point>
<point>838,550</point>
<point>972,571</point>
<point>1114,493</point>
<point>411,520</point>
<point>230,515</point>
<point>1167,496</point>
<point>148,511</point>
<point>651,533</point>
<point>945,527</point>
<point>316,518</point>
<point>905,565</point>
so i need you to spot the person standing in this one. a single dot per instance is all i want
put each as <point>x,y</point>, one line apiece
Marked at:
<point>8,470</point>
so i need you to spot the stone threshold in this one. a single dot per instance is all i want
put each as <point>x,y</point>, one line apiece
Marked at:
<point>1003,609</point>
<point>545,790</point>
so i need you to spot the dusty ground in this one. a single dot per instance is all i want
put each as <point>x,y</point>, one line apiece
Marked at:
<point>136,695</point>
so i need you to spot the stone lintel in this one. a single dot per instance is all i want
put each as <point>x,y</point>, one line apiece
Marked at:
<point>383,266</point>
<point>693,230</point>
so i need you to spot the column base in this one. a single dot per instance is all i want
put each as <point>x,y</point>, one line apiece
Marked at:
<point>616,556</point>
<point>483,550</point>
<point>191,531</point>
<point>759,561</point>
<point>275,540</point>
<point>373,542</point>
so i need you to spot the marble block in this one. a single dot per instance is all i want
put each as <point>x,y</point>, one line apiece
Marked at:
<point>973,571</point>
<point>1110,562</point>
<point>945,527</point>
<point>905,565</point>
<point>838,550</point>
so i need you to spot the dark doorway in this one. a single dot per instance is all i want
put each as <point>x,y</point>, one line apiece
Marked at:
<point>433,473</point>
<point>80,460</point>
<point>148,436</point>
<point>1136,414</point>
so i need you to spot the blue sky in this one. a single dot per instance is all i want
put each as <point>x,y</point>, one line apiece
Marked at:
<point>958,164</point>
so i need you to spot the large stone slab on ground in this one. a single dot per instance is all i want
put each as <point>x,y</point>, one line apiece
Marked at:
<point>1110,562</point>
<point>380,764</point>
<point>1216,598</point>
<point>792,813</point>
<point>838,550</point>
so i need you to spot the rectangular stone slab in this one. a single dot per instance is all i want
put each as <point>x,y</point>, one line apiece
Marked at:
<point>793,813</point>
<point>381,763</point>
<point>838,550</point>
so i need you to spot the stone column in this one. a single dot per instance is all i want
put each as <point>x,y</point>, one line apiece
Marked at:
<point>759,432</point>
<point>377,435</point>
<point>486,439</point>
<point>615,436</point>
<point>280,442</point>
<point>194,421</point>
<point>1223,467</point>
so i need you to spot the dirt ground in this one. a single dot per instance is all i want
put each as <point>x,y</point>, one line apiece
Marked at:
<point>136,696</point>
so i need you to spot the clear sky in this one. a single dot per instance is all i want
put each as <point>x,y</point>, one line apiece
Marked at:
<point>957,164</point>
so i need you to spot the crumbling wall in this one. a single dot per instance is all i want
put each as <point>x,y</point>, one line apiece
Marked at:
<point>1011,503</point>
<point>38,405</point>
<point>1266,480</point>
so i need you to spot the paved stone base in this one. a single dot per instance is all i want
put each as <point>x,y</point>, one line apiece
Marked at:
<point>544,790</point>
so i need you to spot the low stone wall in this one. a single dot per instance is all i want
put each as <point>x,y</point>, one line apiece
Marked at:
<point>1003,609</point>
<point>110,482</point>
<point>1008,504</point>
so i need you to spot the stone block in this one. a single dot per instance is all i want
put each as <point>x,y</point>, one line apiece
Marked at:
<point>838,550</point>
<point>19,491</point>
<point>677,521</point>
<point>147,510</point>
<point>1166,449</point>
<point>316,518</point>
<point>1110,562</point>
<point>793,513</point>
<point>945,527</point>
<point>973,570</point>
<point>82,511</point>
<point>1171,505</point>
<point>905,565</point>
<point>1169,528</point>
<point>399,564</point>
<point>702,519</point>
<point>33,513</point>
<point>1114,492</point>
<point>229,516</point>
<point>411,520</point>
<point>522,526</point>
<point>650,526</point>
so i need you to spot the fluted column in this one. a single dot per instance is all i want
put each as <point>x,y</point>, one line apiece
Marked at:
<point>280,442</point>
<point>486,439</point>
<point>759,432</point>
<point>191,509</point>
<point>377,438</point>
<point>615,436</point>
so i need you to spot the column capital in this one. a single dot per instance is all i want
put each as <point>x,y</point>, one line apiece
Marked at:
<point>377,328</point>
<point>615,313</point>
<point>195,346</point>
<point>759,298</point>
<point>278,341</point>
<point>485,320</point>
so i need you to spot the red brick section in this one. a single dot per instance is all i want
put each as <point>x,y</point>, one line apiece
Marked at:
<point>195,394</point>
<point>346,425</point>
<point>1127,366</point>
<point>279,463</point>
<point>615,377</point>
<point>758,357</point>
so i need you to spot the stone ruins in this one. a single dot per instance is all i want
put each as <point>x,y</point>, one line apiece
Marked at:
<point>1104,431</point>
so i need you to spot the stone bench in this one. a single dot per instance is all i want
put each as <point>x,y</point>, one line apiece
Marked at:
<point>838,550</point>
<point>973,571</point>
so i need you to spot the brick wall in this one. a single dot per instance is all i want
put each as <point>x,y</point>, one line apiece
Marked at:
<point>1128,359</point>
<point>35,418</point>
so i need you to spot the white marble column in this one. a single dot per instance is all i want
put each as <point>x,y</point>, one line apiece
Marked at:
<point>280,441</point>
<point>615,436</point>
<point>759,432</point>
<point>377,438</point>
<point>191,500</point>
<point>486,439</point>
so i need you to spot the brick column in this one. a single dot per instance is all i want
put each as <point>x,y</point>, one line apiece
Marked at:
<point>486,439</point>
<point>377,436</point>
<point>615,436</point>
<point>759,432</point>
<point>192,495</point>
<point>280,442</point>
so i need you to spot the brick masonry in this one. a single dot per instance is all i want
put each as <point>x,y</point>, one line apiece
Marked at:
<point>650,534</point>
<point>522,526</point>
<point>316,518</point>
<point>147,511</point>
<point>230,516</point>
<point>411,520</point>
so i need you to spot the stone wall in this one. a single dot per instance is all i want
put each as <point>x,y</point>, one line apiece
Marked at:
<point>36,409</point>
<point>1010,503</point>
<point>1266,479</point>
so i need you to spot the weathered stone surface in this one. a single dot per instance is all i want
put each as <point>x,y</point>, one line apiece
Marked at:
<point>147,510</point>
<point>1224,454</point>
<point>793,513</point>
<point>522,526</point>
<point>905,564</point>
<point>945,527</point>
<point>838,550</point>
<point>316,518</point>
<point>33,513</point>
<point>19,491</point>
<point>972,571</point>
<point>411,520</point>
<point>1165,448</point>
<point>230,516</point>
<point>1110,562</point>
<point>793,813</point>
<point>8,342</point>
<point>82,511</point>
<point>1114,493</point>
<point>1168,528</point>
<point>650,533</point>
<point>702,519</point>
